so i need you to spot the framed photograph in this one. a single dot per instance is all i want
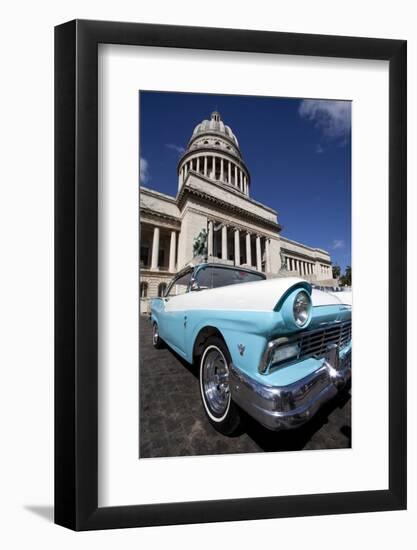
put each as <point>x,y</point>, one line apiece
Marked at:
<point>230,275</point>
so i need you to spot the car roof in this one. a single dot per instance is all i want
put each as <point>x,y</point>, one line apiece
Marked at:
<point>227,266</point>
<point>218,264</point>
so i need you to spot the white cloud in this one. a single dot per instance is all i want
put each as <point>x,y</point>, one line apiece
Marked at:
<point>332,117</point>
<point>180,150</point>
<point>144,175</point>
<point>338,243</point>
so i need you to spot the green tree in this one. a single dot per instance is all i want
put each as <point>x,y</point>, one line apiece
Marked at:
<point>336,271</point>
<point>346,279</point>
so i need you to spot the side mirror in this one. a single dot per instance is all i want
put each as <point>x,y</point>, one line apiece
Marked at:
<point>195,286</point>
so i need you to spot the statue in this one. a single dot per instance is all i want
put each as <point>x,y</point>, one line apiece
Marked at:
<point>200,244</point>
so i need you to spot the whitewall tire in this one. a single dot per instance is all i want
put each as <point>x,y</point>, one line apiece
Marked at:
<point>156,339</point>
<point>217,401</point>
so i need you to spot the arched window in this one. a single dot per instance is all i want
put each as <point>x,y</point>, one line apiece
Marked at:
<point>217,143</point>
<point>143,289</point>
<point>161,289</point>
<point>206,142</point>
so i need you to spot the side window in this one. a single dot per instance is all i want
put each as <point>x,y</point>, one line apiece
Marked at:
<point>180,285</point>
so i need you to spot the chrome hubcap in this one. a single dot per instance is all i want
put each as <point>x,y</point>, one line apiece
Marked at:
<point>155,333</point>
<point>215,378</point>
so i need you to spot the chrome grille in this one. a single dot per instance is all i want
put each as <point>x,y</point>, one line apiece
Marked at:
<point>315,342</point>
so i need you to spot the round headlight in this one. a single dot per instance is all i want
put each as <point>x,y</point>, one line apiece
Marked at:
<point>301,308</point>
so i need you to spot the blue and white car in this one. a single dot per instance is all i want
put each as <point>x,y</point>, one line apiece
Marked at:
<point>276,348</point>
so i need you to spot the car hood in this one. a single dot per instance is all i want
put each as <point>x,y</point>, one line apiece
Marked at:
<point>324,298</point>
<point>254,296</point>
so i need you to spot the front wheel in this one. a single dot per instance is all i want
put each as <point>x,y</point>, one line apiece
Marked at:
<point>222,412</point>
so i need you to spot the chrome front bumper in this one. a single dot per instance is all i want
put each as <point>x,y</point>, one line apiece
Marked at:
<point>286,407</point>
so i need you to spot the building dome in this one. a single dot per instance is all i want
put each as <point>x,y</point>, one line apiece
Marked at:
<point>214,126</point>
<point>213,152</point>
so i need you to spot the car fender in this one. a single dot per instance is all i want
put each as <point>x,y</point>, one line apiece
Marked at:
<point>245,337</point>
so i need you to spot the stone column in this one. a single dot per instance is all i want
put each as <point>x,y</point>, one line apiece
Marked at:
<point>205,166</point>
<point>229,179</point>
<point>198,164</point>
<point>172,250</point>
<point>237,247</point>
<point>221,169</point>
<point>236,182</point>
<point>258,253</point>
<point>179,179</point>
<point>155,248</point>
<point>241,180</point>
<point>248,250</point>
<point>267,257</point>
<point>224,242</point>
<point>213,168</point>
<point>210,238</point>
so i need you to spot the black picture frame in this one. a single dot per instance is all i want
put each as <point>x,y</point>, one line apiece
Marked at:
<point>76,271</point>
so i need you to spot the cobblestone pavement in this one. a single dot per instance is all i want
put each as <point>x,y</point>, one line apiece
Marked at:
<point>173,423</point>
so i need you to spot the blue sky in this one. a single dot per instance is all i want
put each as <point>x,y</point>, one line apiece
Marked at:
<point>298,153</point>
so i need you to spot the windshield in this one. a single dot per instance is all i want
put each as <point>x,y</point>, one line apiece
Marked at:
<point>214,277</point>
<point>179,285</point>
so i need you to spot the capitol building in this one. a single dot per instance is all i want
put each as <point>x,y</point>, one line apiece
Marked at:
<point>214,195</point>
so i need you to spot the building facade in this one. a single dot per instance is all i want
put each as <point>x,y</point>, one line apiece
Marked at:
<point>213,195</point>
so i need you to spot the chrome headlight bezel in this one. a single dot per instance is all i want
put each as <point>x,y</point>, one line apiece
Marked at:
<point>301,309</point>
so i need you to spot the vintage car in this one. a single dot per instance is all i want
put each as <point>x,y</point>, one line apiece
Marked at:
<point>275,348</point>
